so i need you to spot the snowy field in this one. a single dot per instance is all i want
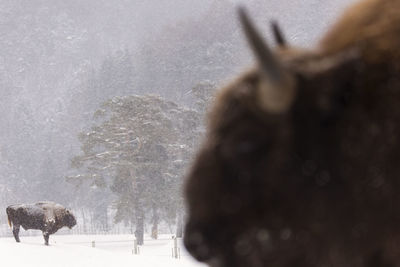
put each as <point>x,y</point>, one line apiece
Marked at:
<point>77,251</point>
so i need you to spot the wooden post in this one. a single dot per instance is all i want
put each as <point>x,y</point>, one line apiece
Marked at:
<point>93,244</point>
<point>175,248</point>
<point>135,247</point>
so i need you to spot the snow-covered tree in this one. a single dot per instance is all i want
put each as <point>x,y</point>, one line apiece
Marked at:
<point>138,149</point>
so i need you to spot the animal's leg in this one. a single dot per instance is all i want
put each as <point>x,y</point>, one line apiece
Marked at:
<point>46,238</point>
<point>16,232</point>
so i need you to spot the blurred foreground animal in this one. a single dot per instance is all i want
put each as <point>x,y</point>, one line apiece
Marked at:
<point>301,163</point>
<point>48,217</point>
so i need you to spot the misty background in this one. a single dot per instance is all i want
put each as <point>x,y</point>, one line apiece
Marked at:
<point>102,102</point>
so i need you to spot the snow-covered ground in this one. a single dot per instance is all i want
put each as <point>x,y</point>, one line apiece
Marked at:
<point>77,251</point>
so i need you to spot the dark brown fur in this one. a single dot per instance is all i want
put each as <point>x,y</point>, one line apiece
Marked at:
<point>48,217</point>
<point>317,185</point>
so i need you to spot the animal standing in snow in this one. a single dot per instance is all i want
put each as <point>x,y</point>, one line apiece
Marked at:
<point>301,164</point>
<point>48,217</point>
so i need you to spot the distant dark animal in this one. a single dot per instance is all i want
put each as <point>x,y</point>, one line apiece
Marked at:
<point>301,162</point>
<point>48,217</point>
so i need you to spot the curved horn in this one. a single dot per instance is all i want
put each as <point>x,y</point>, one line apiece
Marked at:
<point>276,87</point>
<point>266,59</point>
<point>278,34</point>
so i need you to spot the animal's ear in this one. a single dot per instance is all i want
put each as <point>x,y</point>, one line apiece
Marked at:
<point>276,90</point>
<point>278,35</point>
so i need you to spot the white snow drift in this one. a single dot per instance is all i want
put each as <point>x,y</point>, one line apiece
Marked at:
<point>77,251</point>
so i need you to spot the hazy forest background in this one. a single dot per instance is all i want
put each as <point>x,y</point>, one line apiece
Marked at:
<point>102,103</point>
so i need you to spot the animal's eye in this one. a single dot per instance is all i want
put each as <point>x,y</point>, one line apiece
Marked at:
<point>234,149</point>
<point>245,147</point>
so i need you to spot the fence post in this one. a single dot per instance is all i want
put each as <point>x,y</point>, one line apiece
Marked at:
<point>93,244</point>
<point>135,247</point>
<point>175,251</point>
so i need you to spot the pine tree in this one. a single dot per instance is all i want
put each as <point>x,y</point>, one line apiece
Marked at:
<point>139,149</point>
